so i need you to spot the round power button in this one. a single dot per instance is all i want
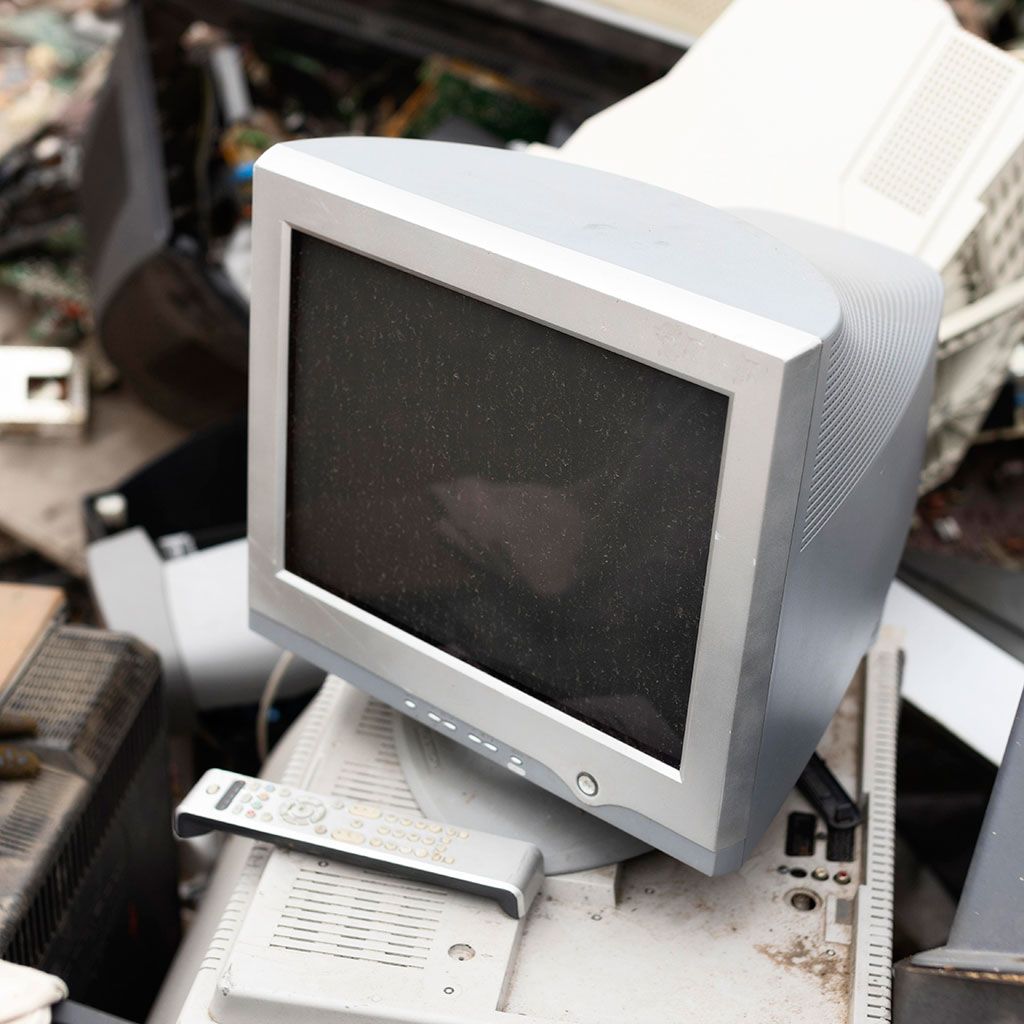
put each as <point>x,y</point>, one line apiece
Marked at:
<point>587,784</point>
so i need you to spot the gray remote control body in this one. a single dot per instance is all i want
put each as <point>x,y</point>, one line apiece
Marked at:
<point>385,839</point>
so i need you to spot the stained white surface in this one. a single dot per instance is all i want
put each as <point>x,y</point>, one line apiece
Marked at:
<point>955,675</point>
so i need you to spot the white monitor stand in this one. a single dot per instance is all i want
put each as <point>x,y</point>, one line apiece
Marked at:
<point>284,936</point>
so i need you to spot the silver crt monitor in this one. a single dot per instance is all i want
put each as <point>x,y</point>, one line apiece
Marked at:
<point>603,483</point>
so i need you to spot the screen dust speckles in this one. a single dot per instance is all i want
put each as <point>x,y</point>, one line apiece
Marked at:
<point>533,504</point>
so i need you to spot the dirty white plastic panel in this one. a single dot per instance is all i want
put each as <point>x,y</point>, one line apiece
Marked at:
<point>647,941</point>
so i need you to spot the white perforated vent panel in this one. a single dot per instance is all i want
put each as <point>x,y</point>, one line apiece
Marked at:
<point>939,123</point>
<point>337,911</point>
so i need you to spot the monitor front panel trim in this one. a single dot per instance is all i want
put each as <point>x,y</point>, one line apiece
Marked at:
<point>763,367</point>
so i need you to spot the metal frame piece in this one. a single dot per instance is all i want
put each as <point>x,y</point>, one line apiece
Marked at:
<point>980,970</point>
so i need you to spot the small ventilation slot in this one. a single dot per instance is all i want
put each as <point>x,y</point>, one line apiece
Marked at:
<point>360,916</point>
<point>376,778</point>
<point>32,813</point>
<point>939,123</point>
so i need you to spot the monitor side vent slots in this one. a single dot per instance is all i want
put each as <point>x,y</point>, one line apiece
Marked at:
<point>334,911</point>
<point>938,125</point>
<point>866,388</point>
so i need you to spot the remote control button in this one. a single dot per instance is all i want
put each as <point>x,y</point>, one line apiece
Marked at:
<point>449,860</point>
<point>245,797</point>
<point>364,810</point>
<point>302,812</point>
<point>266,817</point>
<point>390,846</point>
<point>405,849</point>
<point>252,784</point>
<point>237,809</point>
<point>421,824</point>
<point>434,828</point>
<point>357,823</point>
<point>264,796</point>
<point>257,804</point>
<point>376,842</point>
<point>213,789</point>
<point>428,840</point>
<point>453,831</point>
<point>463,835</point>
<point>229,794</point>
<point>344,835</point>
<point>383,831</point>
<point>435,857</point>
<point>320,829</point>
<point>269,787</point>
<point>338,805</point>
<point>421,852</point>
<point>398,833</point>
<point>284,792</point>
<point>390,817</point>
<point>413,837</point>
<point>250,813</point>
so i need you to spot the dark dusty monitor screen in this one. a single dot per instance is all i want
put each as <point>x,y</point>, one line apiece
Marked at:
<point>532,504</point>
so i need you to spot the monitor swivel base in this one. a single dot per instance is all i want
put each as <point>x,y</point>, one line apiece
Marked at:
<point>452,783</point>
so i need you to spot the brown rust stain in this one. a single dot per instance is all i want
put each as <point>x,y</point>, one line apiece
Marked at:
<point>830,971</point>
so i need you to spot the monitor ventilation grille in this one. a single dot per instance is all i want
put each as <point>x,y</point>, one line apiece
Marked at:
<point>939,123</point>
<point>359,916</point>
<point>866,387</point>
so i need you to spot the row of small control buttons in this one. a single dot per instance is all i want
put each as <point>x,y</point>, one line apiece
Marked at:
<point>451,726</point>
<point>515,764</point>
<point>439,855</point>
<point>310,811</point>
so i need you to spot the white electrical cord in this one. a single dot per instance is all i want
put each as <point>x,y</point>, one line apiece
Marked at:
<point>270,689</point>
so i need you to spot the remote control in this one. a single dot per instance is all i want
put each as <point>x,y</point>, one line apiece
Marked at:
<point>383,838</point>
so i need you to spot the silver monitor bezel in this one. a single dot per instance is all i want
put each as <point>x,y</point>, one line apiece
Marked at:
<point>768,371</point>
